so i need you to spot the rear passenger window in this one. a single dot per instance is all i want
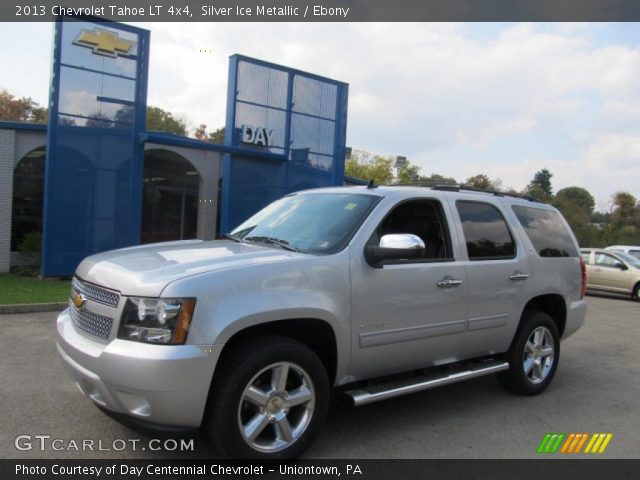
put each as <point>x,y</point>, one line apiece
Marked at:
<point>485,231</point>
<point>547,231</point>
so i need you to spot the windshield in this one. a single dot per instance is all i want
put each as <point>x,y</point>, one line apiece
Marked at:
<point>630,259</point>
<point>312,223</point>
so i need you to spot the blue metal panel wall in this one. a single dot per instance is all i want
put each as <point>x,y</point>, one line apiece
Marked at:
<point>306,116</point>
<point>93,177</point>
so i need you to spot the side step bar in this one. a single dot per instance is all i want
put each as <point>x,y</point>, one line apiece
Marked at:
<point>383,391</point>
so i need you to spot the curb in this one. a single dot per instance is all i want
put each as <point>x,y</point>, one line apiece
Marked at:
<point>33,307</point>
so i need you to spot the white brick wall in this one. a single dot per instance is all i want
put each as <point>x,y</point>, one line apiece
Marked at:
<point>7,154</point>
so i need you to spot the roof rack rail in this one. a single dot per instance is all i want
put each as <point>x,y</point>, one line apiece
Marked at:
<point>455,187</point>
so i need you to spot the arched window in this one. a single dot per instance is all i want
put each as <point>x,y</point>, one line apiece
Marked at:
<point>28,196</point>
<point>169,197</point>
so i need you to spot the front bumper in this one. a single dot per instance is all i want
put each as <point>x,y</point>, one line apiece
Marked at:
<point>161,384</point>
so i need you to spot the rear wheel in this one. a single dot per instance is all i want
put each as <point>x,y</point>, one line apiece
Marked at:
<point>533,356</point>
<point>269,399</point>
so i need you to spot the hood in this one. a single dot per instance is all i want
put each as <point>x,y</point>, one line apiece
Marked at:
<point>146,270</point>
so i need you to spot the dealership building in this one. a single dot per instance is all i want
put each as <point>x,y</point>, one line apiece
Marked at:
<point>94,178</point>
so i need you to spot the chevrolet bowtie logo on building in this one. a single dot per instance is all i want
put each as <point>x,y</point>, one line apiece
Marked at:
<point>574,443</point>
<point>104,42</point>
<point>78,300</point>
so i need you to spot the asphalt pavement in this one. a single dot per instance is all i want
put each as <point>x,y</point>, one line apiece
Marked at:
<point>596,390</point>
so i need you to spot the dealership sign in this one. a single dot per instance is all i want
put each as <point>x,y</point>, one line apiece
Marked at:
<point>257,135</point>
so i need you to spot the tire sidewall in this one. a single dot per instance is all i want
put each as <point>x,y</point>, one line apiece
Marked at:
<point>516,378</point>
<point>228,394</point>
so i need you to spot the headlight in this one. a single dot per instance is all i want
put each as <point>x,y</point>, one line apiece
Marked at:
<point>157,320</point>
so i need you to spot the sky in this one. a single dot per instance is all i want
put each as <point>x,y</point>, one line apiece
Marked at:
<point>456,99</point>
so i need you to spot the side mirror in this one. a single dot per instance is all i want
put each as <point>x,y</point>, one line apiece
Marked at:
<point>394,247</point>
<point>621,266</point>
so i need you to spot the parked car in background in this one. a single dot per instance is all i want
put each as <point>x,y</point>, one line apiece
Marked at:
<point>612,271</point>
<point>634,251</point>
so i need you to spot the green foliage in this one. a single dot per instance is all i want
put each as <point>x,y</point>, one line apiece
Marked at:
<point>439,179</point>
<point>540,186</point>
<point>367,167</point>
<point>576,197</point>
<point>31,244</point>
<point>576,205</point>
<point>201,133</point>
<point>20,109</point>
<point>163,121</point>
<point>410,173</point>
<point>483,181</point>
<point>624,226</point>
<point>29,248</point>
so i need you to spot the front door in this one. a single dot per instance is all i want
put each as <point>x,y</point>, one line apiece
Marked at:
<point>409,313</point>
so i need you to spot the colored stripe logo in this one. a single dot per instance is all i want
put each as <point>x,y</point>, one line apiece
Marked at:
<point>574,443</point>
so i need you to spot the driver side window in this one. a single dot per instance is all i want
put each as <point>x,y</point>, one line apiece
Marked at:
<point>604,260</point>
<point>423,218</point>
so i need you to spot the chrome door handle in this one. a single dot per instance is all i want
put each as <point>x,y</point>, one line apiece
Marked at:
<point>449,283</point>
<point>518,276</point>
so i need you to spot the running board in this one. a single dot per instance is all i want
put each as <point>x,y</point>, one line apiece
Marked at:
<point>383,391</point>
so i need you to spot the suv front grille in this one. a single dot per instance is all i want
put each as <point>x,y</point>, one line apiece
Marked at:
<point>91,323</point>
<point>95,293</point>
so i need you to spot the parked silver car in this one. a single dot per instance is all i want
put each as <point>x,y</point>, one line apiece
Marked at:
<point>340,287</point>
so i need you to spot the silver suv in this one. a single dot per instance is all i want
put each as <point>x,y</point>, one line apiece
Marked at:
<point>347,288</point>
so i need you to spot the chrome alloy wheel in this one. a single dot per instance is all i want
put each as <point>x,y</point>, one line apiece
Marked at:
<point>539,355</point>
<point>276,407</point>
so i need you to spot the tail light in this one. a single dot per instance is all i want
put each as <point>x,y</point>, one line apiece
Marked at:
<point>583,269</point>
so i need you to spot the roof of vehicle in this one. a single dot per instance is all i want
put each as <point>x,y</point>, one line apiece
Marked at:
<point>613,247</point>
<point>459,190</point>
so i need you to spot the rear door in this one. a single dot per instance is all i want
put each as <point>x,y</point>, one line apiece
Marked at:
<point>497,275</point>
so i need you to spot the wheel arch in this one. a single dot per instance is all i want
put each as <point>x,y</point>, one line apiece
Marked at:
<point>317,334</point>
<point>552,304</point>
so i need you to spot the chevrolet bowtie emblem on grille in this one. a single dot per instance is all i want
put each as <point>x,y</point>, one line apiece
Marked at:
<point>104,42</point>
<point>78,300</point>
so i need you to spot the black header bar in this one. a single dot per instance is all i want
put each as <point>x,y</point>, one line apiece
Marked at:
<point>324,10</point>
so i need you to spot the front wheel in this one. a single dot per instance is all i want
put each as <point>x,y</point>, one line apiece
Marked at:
<point>636,293</point>
<point>533,356</point>
<point>269,399</point>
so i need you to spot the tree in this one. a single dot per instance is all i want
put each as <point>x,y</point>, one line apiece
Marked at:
<point>365,166</point>
<point>20,109</point>
<point>483,181</point>
<point>576,205</point>
<point>212,137</point>
<point>540,186</point>
<point>410,173</point>
<point>163,121</point>
<point>624,226</point>
<point>436,178</point>
<point>576,197</point>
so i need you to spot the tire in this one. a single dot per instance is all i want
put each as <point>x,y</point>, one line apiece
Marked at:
<point>636,293</point>
<point>251,413</point>
<point>533,356</point>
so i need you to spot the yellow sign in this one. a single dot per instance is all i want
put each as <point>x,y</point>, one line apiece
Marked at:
<point>104,42</point>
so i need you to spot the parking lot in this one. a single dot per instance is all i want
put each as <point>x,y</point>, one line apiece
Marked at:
<point>596,389</point>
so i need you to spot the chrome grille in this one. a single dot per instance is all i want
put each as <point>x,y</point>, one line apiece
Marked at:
<point>95,293</point>
<point>91,323</point>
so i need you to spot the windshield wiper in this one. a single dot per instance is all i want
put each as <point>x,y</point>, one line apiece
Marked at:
<point>273,241</point>
<point>228,236</point>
